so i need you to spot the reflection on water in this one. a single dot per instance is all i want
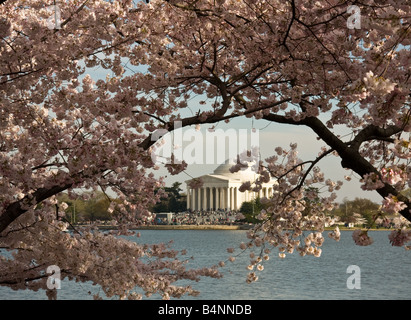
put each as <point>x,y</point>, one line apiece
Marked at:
<point>385,270</point>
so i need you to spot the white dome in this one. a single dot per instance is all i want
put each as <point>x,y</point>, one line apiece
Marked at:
<point>244,174</point>
<point>224,168</point>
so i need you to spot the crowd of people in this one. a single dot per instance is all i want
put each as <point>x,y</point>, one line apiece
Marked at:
<point>201,217</point>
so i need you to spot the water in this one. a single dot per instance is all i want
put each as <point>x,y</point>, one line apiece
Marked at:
<point>385,271</point>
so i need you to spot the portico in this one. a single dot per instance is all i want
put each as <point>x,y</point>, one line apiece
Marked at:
<point>220,190</point>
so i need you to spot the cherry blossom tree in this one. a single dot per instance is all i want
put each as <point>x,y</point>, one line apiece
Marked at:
<point>318,64</point>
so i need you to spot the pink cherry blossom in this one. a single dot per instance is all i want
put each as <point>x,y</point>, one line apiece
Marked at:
<point>336,234</point>
<point>399,237</point>
<point>195,183</point>
<point>361,238</point>
<point>391,205</point>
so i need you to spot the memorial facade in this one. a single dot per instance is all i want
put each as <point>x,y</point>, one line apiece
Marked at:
<point>220,190</point>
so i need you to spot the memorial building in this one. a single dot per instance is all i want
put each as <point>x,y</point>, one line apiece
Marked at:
<point>220,189</point>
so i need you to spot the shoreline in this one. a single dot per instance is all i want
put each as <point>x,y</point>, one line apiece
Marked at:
<point>184,227</point>
<point>220,227</point>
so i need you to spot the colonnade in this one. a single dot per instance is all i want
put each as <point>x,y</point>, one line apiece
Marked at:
<point>213,198</point>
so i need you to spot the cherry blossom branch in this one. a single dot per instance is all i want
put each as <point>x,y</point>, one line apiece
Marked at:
<point>351,158</point>
<point>372,132</point>
<point>304,177</point>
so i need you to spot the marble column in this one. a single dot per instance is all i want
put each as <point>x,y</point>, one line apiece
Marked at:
<point>235,198</point>
<point>232,198</point>
<point>198,199</point>
<point>224,196</point>
<point>188,198</point>
<point>193,199</point>
<point>204,205</point>
<point>211,199</point>
<point>221,197</point>
<point>217,198</point>
<point>228,198</point>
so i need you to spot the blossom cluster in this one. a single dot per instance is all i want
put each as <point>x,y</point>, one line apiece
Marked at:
<point>392,205</point>
<point>400,237</point>
<point>361,238</point>
<point>291,213</point>
<point>116,264</point>
<point>371,181</point>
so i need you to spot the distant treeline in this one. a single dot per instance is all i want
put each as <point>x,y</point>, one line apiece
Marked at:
<point>96,207</point>
<point>79,210</point>
<point>175,201</point>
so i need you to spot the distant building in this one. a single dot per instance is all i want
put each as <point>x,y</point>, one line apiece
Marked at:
<point>220,189</point>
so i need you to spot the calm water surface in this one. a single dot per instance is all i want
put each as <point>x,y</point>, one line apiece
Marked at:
<point>385,270</point>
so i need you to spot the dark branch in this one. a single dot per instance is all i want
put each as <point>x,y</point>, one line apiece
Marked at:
<point>373,132</point>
